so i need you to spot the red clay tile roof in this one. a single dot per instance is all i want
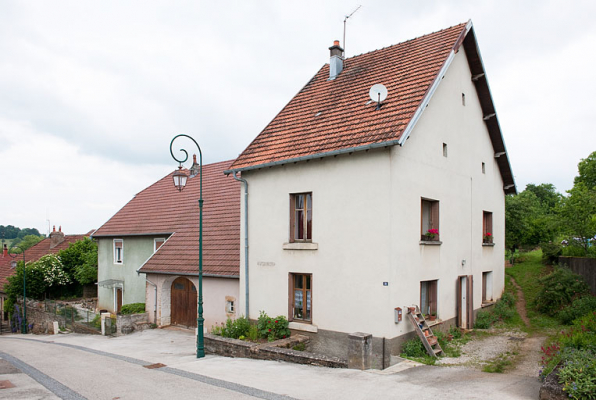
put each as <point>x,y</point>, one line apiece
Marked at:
<point>34,253</point>
<point>330,116</point>
<point>160,208</point>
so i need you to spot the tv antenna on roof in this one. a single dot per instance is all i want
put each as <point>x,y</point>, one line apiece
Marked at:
<point>378,93</point>
<point>345,19</point>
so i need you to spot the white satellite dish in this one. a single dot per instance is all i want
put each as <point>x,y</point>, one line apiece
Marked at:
<point>378,93</point>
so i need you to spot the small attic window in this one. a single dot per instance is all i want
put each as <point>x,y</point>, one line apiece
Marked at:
<point>444,149</point>
<point>317,114</point>
<point>463,99</point>
<point>368,102</point>
<point>483,168</point>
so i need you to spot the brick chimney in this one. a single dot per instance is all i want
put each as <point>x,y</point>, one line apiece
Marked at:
<point>56,237</point>
<point>336,63</point>
<point>5,251</point>
<point>194,170</point>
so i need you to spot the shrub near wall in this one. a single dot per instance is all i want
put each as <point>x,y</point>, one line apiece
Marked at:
<point>133,308</point>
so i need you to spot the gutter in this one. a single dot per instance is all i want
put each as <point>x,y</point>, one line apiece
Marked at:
<point>245,241</point>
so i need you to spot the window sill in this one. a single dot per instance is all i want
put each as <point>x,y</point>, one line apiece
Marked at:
<point>298,326</point>
<point>488,244</point>
<point>301,246</point>
<point>487,304</point>
<point>430,242</point>
<point>433,323</point>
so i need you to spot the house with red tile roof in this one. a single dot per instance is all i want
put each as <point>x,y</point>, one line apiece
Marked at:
<point>361,203</point>
<point>51,245</point>
<point>148,252</point>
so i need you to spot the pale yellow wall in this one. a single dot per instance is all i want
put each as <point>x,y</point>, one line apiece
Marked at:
<point>366,221</point>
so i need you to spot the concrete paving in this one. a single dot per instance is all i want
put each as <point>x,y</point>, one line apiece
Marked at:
<point>235,377</point>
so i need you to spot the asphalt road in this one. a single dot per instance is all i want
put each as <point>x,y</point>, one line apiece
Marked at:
<point>94,367</point>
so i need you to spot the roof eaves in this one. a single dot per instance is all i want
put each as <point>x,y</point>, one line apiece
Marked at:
<point>314,156</point>
<point>190,274</point>
<point>488,108</point>
<point>108,235</point>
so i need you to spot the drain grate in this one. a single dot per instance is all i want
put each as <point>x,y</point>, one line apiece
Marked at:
<point>154,366</point>
<point>6,385</point>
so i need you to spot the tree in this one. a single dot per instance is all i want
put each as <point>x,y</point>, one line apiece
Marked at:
<point>80,261</point>
<point>587,172</point>
<point>547,195</point>
<point>579,214</point>
<point>26,242</point>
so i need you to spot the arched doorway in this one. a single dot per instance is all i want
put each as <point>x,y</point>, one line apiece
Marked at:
<point>184,303</point>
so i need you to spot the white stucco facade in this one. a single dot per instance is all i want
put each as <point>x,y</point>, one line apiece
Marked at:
<point>366,225</point>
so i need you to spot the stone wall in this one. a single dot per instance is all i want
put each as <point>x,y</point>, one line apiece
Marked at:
<point>129,323</point>
<point>41,321</point>
<point>583,266</point>
<point>279,350</point>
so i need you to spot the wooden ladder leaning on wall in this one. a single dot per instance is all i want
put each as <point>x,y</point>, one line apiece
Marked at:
<point>429,340</point>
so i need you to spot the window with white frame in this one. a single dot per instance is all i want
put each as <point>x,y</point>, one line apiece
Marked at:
<point>230,306</point>
<point>157,243</point>
<point>118,251</point>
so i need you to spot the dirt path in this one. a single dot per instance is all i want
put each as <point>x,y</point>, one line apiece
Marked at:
<point>520,304</point>
<point>520,350</point>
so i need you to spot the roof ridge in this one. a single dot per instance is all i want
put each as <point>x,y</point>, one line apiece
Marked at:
<point>405,41</point>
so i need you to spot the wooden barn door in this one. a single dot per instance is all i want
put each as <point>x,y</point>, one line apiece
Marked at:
<point>184,303</point>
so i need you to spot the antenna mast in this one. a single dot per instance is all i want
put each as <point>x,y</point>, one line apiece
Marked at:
<point>345,19</point>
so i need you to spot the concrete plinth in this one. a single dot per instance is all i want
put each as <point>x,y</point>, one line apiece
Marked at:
<point>360,350</point>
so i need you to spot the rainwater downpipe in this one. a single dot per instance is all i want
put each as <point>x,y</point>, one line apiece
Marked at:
<point>245,240</point>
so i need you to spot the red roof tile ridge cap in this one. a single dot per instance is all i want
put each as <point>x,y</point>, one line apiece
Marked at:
<point>463,24</point>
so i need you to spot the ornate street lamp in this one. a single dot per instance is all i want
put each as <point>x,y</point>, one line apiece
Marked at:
<point>180,179</point>
<point>13,264</point>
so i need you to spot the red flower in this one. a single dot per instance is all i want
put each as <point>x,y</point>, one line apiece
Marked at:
<point>276,322</point>
<point>284,336</point>
<point>269,329</point>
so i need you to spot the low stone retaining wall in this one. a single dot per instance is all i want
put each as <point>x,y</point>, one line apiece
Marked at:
<point>129,323</point>
<point>551,389</point>
<point>279,350</point>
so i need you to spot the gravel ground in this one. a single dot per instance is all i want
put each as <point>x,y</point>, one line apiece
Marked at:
<point>523,351</point>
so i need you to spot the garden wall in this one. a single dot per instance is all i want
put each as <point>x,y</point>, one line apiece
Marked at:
<point>129,323</point>
<point>583,266</point>
<point>275,351</point>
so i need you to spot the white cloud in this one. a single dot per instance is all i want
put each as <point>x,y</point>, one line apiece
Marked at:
<point>91,89</point>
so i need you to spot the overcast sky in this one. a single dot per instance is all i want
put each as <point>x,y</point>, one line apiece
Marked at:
<point>92,92</point>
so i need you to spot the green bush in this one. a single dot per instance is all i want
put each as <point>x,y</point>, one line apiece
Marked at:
<point>413,348</point>
<point>578,308</point>
<point>133,308</point>
<point>96,323</point>
<point>272,328</point>
<point>574,249</point>
<point>551,252</point>
<point>253,333</point>
<point>236,328</point>
<point>558,290</point>
<point>484,320</point>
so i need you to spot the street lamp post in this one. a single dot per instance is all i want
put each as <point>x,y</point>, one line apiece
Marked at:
<point>180,179</point>
<point>13,264</point>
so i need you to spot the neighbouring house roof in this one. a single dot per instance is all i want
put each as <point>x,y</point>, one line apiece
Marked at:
<point>161,209</point>
<point>329,117</point>
<point>34,253</point>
